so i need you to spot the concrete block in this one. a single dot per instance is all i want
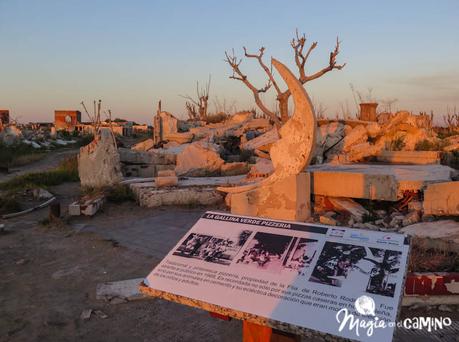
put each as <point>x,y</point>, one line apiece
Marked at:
<point>74,209</point>
<point>92,206</point>
<point>166,181</point>
<point>378,182</point>
<point>164,167</point>
<point>355,185</point>
<point>139,170</point>
<point>442,199</point>
<point>289,199</point>
<point>443,235</point>
<point>409,157</point>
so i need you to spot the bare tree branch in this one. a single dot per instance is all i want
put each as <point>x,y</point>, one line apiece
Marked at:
<point>238,75</point>
<point>331,65</point>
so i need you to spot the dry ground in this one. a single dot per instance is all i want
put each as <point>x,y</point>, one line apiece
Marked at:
<point>49,275</point>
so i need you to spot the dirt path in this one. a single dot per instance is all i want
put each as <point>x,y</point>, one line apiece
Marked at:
<point>50,161</point>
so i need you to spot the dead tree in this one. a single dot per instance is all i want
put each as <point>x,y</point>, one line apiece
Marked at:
<point>298,45</point>
<point>95,117</point>
<point>451,119</point>
<point>197,109</point>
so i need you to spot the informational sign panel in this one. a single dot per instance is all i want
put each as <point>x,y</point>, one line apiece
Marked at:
<point>342,281</point>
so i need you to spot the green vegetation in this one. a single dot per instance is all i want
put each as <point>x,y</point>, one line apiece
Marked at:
<point>246,155</point>
<point>18,154</point>
<point>85,140</point>
<point>397,144</point>
<point>119,194</point>
<point>427,145</point>
<point>9,204</point>
<point>67,171</point>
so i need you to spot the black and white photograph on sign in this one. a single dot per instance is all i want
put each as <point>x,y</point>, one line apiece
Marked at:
<point>266,251</point>
<point>346,265</point>
<point>216,249</point>
<point>300,255</point>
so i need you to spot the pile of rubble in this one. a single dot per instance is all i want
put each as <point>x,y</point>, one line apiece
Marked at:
<point>38,138</point>
<point>186,161</point>
<point>353,140</point>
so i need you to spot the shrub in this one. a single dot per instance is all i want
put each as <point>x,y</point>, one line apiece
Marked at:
<point>85,140</point>
<point>119,193</point>
<point>216,118</point>
<point>246,155</point>
<point>427,145</point>
<point>9,204</point>
<point>17,154</point>
<point>397,144</point>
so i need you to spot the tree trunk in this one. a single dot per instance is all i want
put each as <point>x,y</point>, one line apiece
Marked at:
<point>283,107</point>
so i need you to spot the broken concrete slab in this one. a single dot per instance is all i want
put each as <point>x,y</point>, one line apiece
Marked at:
<point>354,185</point>
<point>190,196</point>
<point>443,235</point>
<point>199,159</point>
<point>143,145</point>
<point>180,138</point>
<point>146,157</point>
<point>86,314</point>
<point>138,184</point>
<point>409,157</point>
<point>74,209</point>
<point>91,206</point>
<point>374,181</point>
<point>124,289</point>
<point>356,136</point>
<point>330,221</point>
<point>266,139</point>
<point>442,199</point>
<point>350,206</point>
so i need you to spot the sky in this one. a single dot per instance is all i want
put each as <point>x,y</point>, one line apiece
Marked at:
<point>130,54</point>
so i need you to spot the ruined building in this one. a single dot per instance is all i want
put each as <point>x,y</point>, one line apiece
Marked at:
<point>66,119</point>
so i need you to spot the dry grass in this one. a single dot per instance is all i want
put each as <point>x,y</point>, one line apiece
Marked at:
<point>216,118</point>
<point>67,171</point>
<point>432,260</point>
<point>26,159</point>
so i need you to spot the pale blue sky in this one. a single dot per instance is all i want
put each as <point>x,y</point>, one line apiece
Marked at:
<point>132,53</point>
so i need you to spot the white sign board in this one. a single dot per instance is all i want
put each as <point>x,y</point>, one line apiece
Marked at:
<point>341,281</point>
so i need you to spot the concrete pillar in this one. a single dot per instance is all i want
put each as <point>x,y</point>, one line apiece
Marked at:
<point>289,199</point>
<point>368,111</point>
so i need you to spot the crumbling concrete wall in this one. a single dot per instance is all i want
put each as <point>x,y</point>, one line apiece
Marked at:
<point>99,162</point>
